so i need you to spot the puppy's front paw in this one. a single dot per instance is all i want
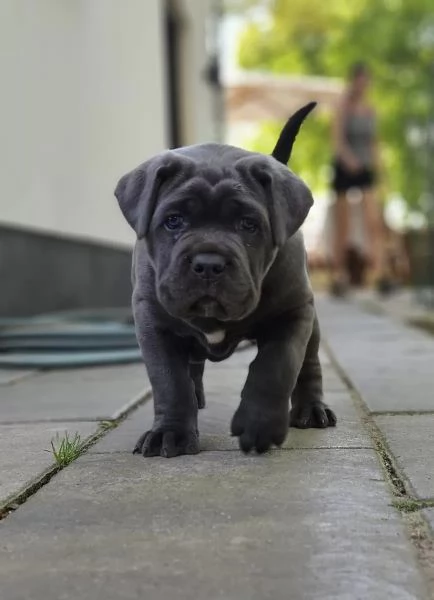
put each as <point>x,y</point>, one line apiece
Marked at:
<point>311,414</point>
<point>167,443</point>
<point>259,429</point>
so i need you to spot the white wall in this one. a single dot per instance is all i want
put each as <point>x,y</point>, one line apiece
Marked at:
<point>197,97</point>
<point>81,102</point>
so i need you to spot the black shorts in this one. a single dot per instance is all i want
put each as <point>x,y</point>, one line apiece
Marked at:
<point>343,179</point>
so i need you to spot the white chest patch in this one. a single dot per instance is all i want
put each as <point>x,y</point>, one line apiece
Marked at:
<point>216,337</point>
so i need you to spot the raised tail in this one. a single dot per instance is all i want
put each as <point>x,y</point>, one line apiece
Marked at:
<point>283,148</point>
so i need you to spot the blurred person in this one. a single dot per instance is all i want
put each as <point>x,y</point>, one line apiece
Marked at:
<point>356,166</point>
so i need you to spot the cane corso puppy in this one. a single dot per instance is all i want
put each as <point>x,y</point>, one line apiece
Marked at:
<point>219,258</point>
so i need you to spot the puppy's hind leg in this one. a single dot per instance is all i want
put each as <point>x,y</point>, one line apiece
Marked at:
<point>196,373</point>
<point>307,406</point>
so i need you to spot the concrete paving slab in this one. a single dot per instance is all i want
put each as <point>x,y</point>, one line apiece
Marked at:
<point>86,394</point>
<point>25,452</point>
<point>223,384</point>
<point>294,524</point>
<point>375,352</point>
<point>239,362</point>
<point>324,357</point>
<point>411,441</point>
<point>8,376</point>
<point>402,305</point>
<point>214,426</point>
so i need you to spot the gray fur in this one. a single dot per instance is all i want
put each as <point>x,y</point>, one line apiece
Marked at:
<point>215,278</point>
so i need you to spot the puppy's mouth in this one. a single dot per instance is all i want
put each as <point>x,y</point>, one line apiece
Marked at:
<point>208,307</point>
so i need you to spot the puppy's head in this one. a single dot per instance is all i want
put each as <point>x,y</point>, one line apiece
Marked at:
<point>213,217</point>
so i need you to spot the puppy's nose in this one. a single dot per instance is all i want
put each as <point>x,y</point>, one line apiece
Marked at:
<point>208,265</point>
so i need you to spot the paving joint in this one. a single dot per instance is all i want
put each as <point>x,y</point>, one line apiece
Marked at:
<point>237,450</point>
<point>57,420</point>
<point>400,413</point>
<point>21,378</point>
<point>17,499</point>
<point>399,487</point>
<point>411,505</point>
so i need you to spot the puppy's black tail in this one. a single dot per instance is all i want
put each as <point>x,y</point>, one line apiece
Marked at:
<point>283,148</point>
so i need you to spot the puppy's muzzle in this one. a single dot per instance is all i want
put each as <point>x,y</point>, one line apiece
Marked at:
<point>209,266</point>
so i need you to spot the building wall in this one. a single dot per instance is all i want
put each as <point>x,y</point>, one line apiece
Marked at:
<point>43,273</point>
<point>83,100</point>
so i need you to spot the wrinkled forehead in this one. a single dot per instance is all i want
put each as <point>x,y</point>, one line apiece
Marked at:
<point>212,188</point>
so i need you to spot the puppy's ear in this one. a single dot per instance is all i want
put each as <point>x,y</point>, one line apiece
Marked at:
<point>287,196</point>
<point>137,191</point>
<point>291,201</point>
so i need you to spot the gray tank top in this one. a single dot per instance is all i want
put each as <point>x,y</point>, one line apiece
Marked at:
<point>359,131</point>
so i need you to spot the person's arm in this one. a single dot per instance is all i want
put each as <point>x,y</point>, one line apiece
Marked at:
<point>375,147</point>
<point>341,148</point>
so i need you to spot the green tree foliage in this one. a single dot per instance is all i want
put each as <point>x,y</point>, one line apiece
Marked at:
<point>313,37</point>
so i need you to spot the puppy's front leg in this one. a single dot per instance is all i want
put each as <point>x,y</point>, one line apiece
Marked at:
<point>174,431</point>
<point>261,420</point>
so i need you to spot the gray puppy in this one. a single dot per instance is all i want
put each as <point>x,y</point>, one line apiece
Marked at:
<point>219,259</point>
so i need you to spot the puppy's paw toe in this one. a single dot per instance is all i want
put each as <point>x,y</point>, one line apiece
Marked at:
<point>314,414</point>
<point>260,431</point>
<point>167,443</point>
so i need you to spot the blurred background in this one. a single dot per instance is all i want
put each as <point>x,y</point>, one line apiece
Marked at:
<point>92,88</point>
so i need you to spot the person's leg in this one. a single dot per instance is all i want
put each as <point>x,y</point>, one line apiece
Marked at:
<point>375,232</point>
<point>340,235</point>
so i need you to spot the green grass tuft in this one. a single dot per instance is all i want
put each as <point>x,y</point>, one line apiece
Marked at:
<point>66,449</point>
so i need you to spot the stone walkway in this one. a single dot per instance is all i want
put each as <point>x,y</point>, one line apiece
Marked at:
<point>404,305</point>
<point>341,513</point>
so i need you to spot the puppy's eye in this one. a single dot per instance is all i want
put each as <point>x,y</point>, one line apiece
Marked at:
<point>248,225</point>
<point>173,222</point>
